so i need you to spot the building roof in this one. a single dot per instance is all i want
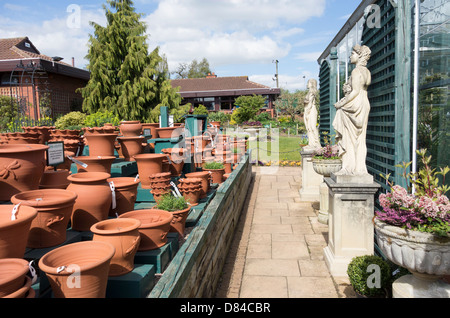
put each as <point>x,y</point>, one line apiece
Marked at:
<point>221,86</point>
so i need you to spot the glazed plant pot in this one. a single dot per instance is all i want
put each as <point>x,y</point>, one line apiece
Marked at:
<point>52,179</point>
<point>155,225</point>
<point>95,163</point>
<point>94,199</point>
<point>204,176</point>
<point>13,272</point>
<point>131,146</point>
<point>130,128</point>
<point>21,168</point>
<point>148,164</point>
<point>54,207</point>
<point>126,194</point>
<point>123,234</point>
<point>101,144</point>
<point>78,270</point>
<point>14,232</point>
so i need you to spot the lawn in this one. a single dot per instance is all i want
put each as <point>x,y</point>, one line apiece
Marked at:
<point>284,151</point>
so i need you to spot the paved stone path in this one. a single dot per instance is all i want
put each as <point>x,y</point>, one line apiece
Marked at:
<point>278,247</point>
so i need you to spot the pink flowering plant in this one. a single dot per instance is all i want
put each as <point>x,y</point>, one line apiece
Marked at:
<point>329,151</point>
<point>425,210</point>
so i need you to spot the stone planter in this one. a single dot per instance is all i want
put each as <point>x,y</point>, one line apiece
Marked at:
<point>426,256</point>
<point>148,164</point>
<point>95,163</point>
<point>101,144</point>
<point>131,128</point>
<point>124,235</point>
<point>131,146</point>
<point>21,168</point>
<point>155,225</point>
<point>325,167</point>
<point>78,270</point>
<point>126,193</point>
<point>54,207</point>
<point>14,232</point>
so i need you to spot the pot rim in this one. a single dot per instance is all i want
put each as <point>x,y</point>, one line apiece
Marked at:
<point>132,225</point>
<point>124,182</point>
<point>88,176</point>
<point>130,138</point>
<point>20,272</point>
<point>130,122</point>
<point>135,214</point>
<point>30,214</point>
<point>108,249</point>
<point>22,290</point>
<point>15,148</point>
<point>195,174</point>
<point>49,197</point>
<point>326,160</point>
<point>144,156</point>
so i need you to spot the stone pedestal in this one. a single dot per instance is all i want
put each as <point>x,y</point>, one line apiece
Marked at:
<point>417,286</point>
<point>311,180</point>
<point>324,197</point>
<point>351,210</point>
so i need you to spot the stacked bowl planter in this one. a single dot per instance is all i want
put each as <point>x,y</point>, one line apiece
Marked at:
<point>131,142</point>
<point>159,184</point>
<point>191,189</point>
<point>14,282</point>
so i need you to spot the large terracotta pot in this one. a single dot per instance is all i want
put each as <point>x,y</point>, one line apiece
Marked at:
<point>130,128</point>
<point>124,235</point>
<point>204,175</point>
<point>178,223</point>
<point>94,199</point>
<point>148,164</point>
<point>131,146</point>
<point>55,179</point>
<point>155,225</point>
<point>126,194</point>
<point>21,168</point>
<point>169,132</point>
<point>95,164</point>
<point>14,232</point>
<point>177,157</point>
<point>78,270</point>
<point>152,127</point>
<point>12,275</point>
<point>54,208</point>
<point>101,144</point>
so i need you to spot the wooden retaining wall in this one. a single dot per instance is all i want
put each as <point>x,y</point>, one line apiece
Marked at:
<point>196,268</point>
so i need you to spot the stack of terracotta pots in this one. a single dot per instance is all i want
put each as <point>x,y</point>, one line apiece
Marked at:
<point>101,140</point>
<point>14,281</point>
<point>131,141</point>
<point>191,189</point>
<point>205,177</point>
<point>160,184</point>
<point>20,138</point>
<point>43,131</point>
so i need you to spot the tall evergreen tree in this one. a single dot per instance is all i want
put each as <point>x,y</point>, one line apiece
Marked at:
<point>125,78</point>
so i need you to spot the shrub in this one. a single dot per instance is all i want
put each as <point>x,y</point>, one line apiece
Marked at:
<point>249,106</point>
<point>171,203</point>
<point>360,274</point>
<point>264,116</point>
<point>200,110</point>
<point>219,116</point>
<point>9,111</point>
<point>100,118</point>
<point>71,120</point>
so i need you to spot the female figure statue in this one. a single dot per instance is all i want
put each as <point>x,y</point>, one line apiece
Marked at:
<point>352,116</point>
<point>310,116</point>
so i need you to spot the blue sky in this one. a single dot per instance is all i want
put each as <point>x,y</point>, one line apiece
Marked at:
<point>238,37</point>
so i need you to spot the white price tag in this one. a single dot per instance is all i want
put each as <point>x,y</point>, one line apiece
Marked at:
<point>14,212</point>
<point>178,194</point>
<point>113,193</point>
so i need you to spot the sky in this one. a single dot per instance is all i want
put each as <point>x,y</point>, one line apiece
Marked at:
<point>237,37</point>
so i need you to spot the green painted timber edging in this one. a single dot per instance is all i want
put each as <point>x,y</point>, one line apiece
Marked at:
<point>195,270</point>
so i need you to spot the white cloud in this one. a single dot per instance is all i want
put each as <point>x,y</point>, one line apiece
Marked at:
<point>308,56</point>
<point>289,82</point>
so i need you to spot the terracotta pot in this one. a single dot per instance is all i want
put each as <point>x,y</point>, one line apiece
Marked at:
<point>95,164</point>
<point>101,144</point>
<point>124,235</point>
<point>94,199</point>
<point>107,129</point>
<point>160,177</point>
<point>191,195</point>
<point>44,132</point>
<point>177,157</point>
<point>78,270</point>
<point>204,176</point>
<point>54,208</point>
<point>178,223</point>
<point>166,166</point>
<point>148,164</point>
<point>14,233</point>
<point>52,179</point>
<point>131,128</point>
<point>21,168</point>
<point>65,132</point>
<point>22,138</point>
<point>131,146</point>
<point>152,127</point>
<point>216,175</point>
<point>215,124</point>
<point>13,272</point>
<point>158,193</point>
<point>169,132</point>
<point>23,291</point>
<point>126,194</point>
<point>155,225</point>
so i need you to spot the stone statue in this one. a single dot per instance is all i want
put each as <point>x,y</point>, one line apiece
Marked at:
<point>310,116</point>
<point>352,116</point>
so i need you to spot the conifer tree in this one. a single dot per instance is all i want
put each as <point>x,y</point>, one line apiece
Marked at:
<point>125,78</point>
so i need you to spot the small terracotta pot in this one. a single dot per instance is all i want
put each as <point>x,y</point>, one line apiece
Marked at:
<point>155,225</point>
<point>131,146</point>
<point>13,272</point>
<point>177,157</point>
<point>21,168</point>
<point>101,144</point>
<point>23,291</point>
<point>169,132</point>
<point>126,194</point>
<point>54,208</point>
<point>78,270</point>
<point>191,195</point>
<point>148,164</point>
<point>216,175</point>
<point>204,176</point>
<point>94,199</point>
<point>130,128</point>
<point>52,179</point>
<point>123,234</point>
<point>14,233</point>
<point>179,221</point>
<point>96,164</point>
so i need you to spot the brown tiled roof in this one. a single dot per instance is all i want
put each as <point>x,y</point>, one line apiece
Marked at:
<point>216,84</point>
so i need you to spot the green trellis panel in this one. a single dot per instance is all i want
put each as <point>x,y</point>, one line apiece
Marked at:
<point>324,110</point>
